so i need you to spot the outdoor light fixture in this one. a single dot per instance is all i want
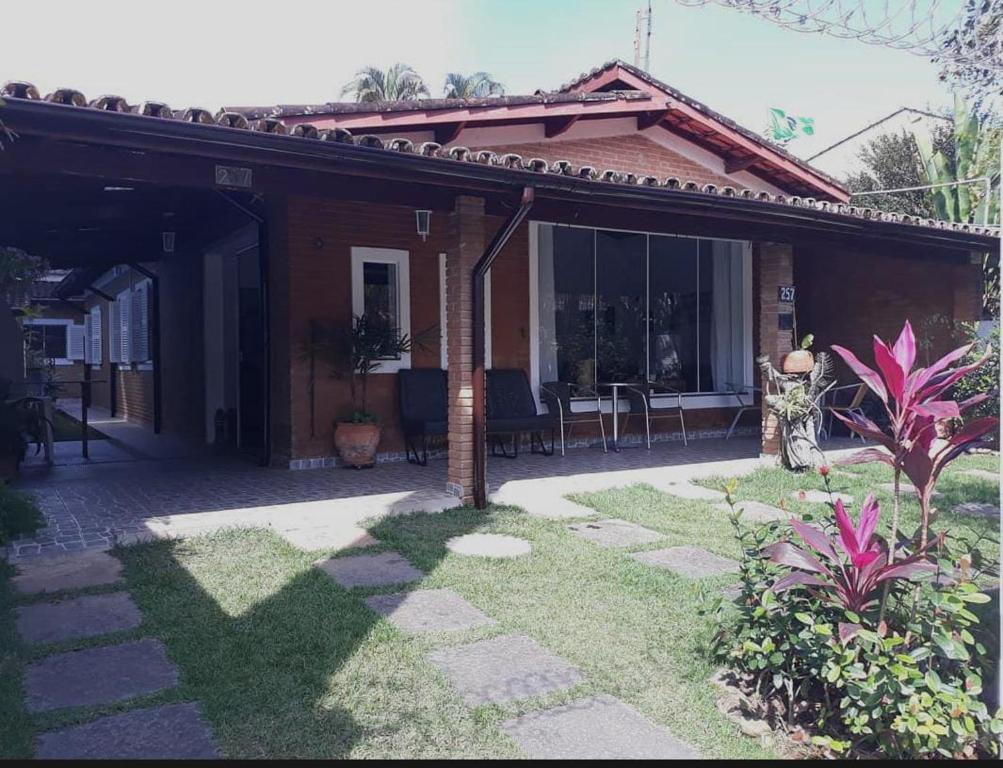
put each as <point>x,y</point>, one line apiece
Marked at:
<point>168,241</point>
<point>119,189</point>
<point>424,220</point>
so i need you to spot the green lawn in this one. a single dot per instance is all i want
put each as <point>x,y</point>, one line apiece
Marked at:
<point>775,486</point>
<point>65,428</point>
<point>288,664</point>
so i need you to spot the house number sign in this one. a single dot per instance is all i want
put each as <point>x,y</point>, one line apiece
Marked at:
<point>786,294</point>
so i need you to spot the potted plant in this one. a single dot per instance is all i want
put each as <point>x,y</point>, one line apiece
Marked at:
<point>356,352</point>
<point>801,360</point>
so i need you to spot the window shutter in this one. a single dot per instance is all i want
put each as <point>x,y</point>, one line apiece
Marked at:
<point>114,333</point>
<point>75,342</point>
<point>125,328</point>
<point>88,324</point>
<point>140,331</point>
<point>96,347</point>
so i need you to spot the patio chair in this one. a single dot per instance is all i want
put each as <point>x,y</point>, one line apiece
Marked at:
<point>511,412</point>
<point>854,406</point>
<point>556,395</point>
<point>424,410</point>
<point>746,396</point>
<point>640,404</point>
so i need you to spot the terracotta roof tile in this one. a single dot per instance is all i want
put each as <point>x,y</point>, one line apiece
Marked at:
<point>227,120</point>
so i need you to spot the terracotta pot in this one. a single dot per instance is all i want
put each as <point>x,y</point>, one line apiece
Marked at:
<point>356,443</point>
<point>798,361</point>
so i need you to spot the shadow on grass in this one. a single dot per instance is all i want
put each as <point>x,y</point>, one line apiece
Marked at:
<point>259,650</point>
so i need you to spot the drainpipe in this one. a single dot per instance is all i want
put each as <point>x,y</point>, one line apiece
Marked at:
<point>480,410</point>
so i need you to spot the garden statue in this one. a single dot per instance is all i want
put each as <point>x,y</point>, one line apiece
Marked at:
<point>796,399</point>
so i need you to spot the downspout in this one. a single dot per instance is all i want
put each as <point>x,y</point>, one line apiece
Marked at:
<point>480,409</point>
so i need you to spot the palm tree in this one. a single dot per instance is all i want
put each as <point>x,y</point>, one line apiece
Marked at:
<point>398,83</point>
<point>479,84</point>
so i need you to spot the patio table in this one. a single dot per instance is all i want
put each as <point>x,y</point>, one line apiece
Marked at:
<point>615,387</point>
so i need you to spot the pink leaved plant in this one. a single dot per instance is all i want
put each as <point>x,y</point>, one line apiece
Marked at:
<point>914,404</point>
<point>846,570</point>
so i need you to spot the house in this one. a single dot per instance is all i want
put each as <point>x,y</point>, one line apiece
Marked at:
<point>621,228</point>
<point>842,158</point>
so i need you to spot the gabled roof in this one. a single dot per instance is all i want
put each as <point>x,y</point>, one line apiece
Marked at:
<point>742,149</point>
<point>615,89</point>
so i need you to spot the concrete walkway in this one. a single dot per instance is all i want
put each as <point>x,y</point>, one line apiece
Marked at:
<point>100,505</point>
<point>85,678</point>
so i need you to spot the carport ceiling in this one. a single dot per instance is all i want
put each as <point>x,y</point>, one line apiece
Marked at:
<point>85,222</point>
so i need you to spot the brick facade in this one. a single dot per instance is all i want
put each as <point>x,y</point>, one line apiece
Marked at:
<point>775,267</point>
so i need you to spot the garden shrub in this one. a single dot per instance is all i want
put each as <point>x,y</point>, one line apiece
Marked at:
<point>906,686</point>
<point>18,515</point>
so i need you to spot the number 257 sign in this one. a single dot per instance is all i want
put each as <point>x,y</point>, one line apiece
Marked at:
<point>786,294</point>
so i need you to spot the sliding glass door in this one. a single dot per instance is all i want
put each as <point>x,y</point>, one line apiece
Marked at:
<point>626,306</point>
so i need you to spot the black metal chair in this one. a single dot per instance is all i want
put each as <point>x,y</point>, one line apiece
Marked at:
<point>424,409</point>
<point>511,412</point>
<point>556,395</point>
<point>640,404</point>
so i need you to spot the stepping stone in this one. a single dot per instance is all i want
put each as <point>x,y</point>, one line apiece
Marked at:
<point>616,533</point>
<point>98,676</point>
<point>983,474</point>
<point>977,509</point>
<point>904,488</point>
<point>601,728</point>
<point>330,537</point>
<point>489,545</point>
<point>503,669</point>
<point>428,610</point>
<point>757,512</point>
<point>87,616</point>
<point>821,497</point>
<point>170,732</point>
<point>690,491</point>
<point>370,570</point>
<point>73,571</point>
<point>691,562</point>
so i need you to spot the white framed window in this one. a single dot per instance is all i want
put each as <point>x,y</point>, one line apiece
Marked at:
<point>59,340</point>
<point>608,305</point>
<point>129,326</point>
<point>114,333</point>
<point>381,290</point>
<point>123,311</point>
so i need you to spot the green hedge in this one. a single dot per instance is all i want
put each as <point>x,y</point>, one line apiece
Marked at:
<point>18,515</point>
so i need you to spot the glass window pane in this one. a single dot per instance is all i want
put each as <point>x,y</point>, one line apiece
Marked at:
<point>673,347</point>
<point>379,283</point>
<point>722,309</point>
<point>55,341</point>
<point>621,306</point>
<point>567,307</point>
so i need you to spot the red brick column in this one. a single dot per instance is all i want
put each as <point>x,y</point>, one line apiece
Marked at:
<point>776,268</point>
<point>466,245</point>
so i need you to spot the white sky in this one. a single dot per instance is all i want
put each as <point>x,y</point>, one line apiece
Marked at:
<point>210,53</point>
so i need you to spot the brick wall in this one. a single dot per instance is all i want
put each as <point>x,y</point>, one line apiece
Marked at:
<point>774,267</point>
<point>845,297</point>
<point>632,153</point>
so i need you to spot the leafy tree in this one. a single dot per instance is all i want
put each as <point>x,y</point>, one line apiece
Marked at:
<point>477,85</point>
<point>981,29</point>
<point>398,83</point>
<point>892,161</point>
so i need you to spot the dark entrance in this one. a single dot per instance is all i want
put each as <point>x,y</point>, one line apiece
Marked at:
<point>252,353</point>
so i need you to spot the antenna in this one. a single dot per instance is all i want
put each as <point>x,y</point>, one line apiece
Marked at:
<point>642,62</point>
